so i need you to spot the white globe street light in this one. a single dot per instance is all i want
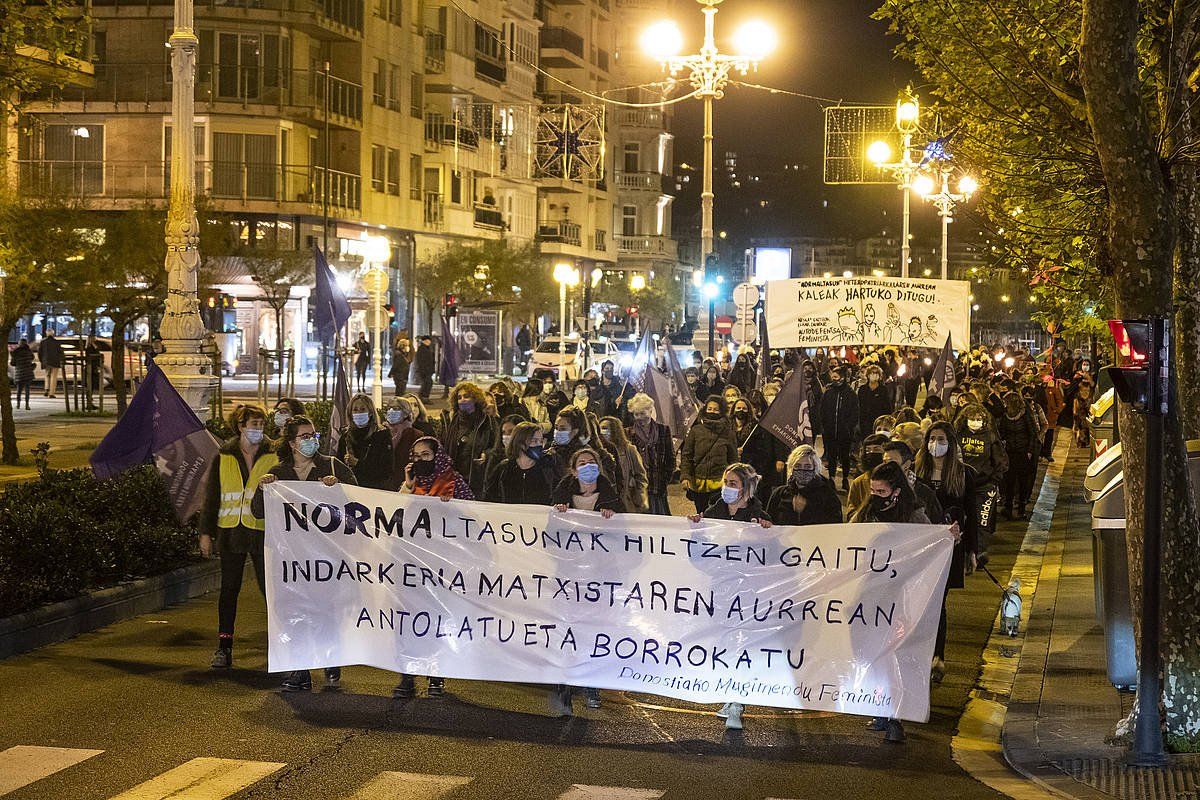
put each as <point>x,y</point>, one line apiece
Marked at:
<point>903,171</point>
<point>945,201</point>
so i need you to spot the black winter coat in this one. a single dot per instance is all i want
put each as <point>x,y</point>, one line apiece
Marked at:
<point>468,439</point>
<point>873,403</point>
<point>822,506</point>
<point>534,486</point>
<point>718,509</point>
<point>658,455</point>
<point>22,363</point>
<point>286,471</point>
<point>568,487</point>
<point>423,361</point>
<point>839,413</point>
<point>373,454</point>
<point>1020,435</point>
<point>963,510</point>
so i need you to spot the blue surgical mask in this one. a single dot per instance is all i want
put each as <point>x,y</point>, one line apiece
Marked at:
<point>466,406</point>
<point>395,416</point>
<point>562,437</point>
<point>253,435</point>
<point>588,473</point>
<point>730,494</point>
<point>535,452</point>
<point>281,418</point>
<point>309,447</point>
<point>360,419</point>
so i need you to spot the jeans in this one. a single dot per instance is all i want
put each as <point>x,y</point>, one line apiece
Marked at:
<point>837,451</point>
<point>23,387</point>
<point>233,567</point>
<point>1018,481</point>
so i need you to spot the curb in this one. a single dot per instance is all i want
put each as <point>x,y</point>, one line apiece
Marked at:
<point>58,622</point>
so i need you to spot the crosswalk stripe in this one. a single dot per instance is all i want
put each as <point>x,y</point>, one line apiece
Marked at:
<point>202,779</point>
<point>409,786</point>
<point>24,764</point>
<point>579,791</point>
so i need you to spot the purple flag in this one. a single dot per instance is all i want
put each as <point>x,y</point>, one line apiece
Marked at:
<point>789,419</point>
<point>685,408</point>
<point>330,307</point>
<point>338,413</point>
<point>160,426</point>
<point>448,368</point>
<point>944,379</point>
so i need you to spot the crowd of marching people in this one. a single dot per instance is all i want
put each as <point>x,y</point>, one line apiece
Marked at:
<point>959,455</point>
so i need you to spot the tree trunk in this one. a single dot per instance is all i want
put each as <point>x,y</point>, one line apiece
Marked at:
<point>120,324</point>
<point>1187,281</point>
<point>279,351</point>
<point>1141,247</point>
<point>8,429</point>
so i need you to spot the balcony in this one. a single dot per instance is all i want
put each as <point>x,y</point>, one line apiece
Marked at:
<point>435,210</point>
<point>600,241</point>
<point>345,97</point>
<point>489,217</point>
<point>435,51</point>
<point>563,41</point>
<point>640,181</point>
<point>323,19</point>
<point>138,181</point>
<point>440,131</point>
<point>561,232</point>
<point>641,118</point>
<point>490,69</point>
<point>654,246</point>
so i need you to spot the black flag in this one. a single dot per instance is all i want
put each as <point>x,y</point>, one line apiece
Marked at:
<point>788,418</point>
<point>944,378</point>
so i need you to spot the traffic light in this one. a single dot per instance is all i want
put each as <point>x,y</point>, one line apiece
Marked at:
<point>450,305</point>
<point>1142,364</point>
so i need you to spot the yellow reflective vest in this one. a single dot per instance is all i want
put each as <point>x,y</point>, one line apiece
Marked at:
<point>235,497</point>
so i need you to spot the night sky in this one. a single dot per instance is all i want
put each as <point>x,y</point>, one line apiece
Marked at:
<point>829,48</point>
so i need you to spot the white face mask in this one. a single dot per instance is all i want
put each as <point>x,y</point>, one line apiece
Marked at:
<point>938,449</point>
<point>975,424</point>
<point>281,418</point>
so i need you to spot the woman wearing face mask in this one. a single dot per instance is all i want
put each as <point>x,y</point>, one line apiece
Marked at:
<point>869,457</point>
<point>731,394</point>
<point>399,416</point>
<point>535,406</point>
<point>615,393</point>
<point>506,404</point>
<point>629,465</point>
<point>299,460</point>
<point>710,381</point>
<point>497,454</point>
<point>984,452</point>
<point>940,467</point>
<point>228,517</point>
<point>572,432</point>
<point>470,434</point>
<point>1081,417</point>
<point>653,442</point>
<point>1022,441</point>
<point>809,496</point>
<point>758,448</point>
<point>585,489</point>
<point>875,398</point>
<point>285,409</point>
<point>581,398</point>
<point>421,420</point>
<point>527,475</point>
<point>366,446</point>
<point>708,448</point>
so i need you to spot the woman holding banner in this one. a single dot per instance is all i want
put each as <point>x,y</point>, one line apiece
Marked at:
<point>299,460</point>
<point>653,442</point>
<point>366,446</point>
<point>527,475</point>
<point>584,489</point>
<point>707,450</point>
<point>809,496</point>
<point>470,434</point>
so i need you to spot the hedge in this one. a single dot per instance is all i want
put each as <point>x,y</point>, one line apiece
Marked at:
<point>67,534</point>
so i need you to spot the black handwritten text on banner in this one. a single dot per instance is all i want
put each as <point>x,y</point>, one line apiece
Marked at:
<point>837,617</point>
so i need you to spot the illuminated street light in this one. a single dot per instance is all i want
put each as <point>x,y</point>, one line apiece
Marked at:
<point>945,201</point>
<point>708,72</point>
<point>711,290</point>
<point>637,282</point>
<point>566,275</point>
<point>908,118</point>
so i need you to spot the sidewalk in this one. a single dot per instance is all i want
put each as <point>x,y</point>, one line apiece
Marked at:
<point>1062,710</point>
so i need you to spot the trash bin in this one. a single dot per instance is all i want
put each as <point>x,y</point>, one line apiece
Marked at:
<point>1110,562</point>
<point>1102,413</point>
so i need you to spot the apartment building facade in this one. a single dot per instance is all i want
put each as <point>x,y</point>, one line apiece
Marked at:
<point>424,122</point>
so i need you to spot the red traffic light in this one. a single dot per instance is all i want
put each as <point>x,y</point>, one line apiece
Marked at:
<point>1132,338</point>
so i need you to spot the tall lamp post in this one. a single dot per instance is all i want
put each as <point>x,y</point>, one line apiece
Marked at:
<point>636,284</point>
<point>708,71</point>
<point>945,201</point>
<point>183,360</point>
<point>903,171</point>
<point>378,252</point>
<point>566,275</point>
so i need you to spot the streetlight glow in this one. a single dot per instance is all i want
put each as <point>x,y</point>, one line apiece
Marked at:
<point>637,282</point>
<point>967,185</point>
<point>377,250</point>
<point>565,274</point>
<point>662,40</point>
<point>710,290</point>
<point>923,185</point>
<point>879,152</point>
<point>755,40</point>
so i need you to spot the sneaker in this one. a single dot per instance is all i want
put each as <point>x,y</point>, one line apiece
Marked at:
<point>560,702</point>
<point>404,689</point>
<point>298,681</point>
<point>222,658</point>
<point>877,724</point>
<point>437,687</point>
<point>333,678</point>
<point>937,670</point>
<point>723,711</point>
<point>895,732</point>
<point>593,698</point>
<point>733,722</point>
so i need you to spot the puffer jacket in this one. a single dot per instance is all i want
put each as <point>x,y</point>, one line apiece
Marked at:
<point>707,450</point>
<point>1020,435</point>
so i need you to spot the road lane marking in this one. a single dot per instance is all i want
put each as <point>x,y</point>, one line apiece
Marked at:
<point>202,779</point>
<point>24,764</point>
<point>580,791</point>
<point>409,786</point>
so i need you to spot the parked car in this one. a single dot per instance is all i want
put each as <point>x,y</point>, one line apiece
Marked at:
<point>547,356</point>
<point>74,346</point>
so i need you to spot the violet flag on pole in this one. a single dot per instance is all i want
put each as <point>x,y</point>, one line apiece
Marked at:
<point>944,378</point>
<point>789,418</point>
<point>160,427</point>
<point>331,310</point>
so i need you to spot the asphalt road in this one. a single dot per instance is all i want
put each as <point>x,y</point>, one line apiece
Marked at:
<point>141,694</point>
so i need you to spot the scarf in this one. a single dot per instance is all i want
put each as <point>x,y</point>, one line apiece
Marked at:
<point>443,473</point>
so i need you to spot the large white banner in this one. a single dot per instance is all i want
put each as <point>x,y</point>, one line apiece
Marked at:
<point>827,312</point>
<point>836,617</point>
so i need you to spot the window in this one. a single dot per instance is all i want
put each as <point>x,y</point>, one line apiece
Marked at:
<point>63,159</point>
<point>629,221</point>
<point>239,63</point>
<point>416,92</point>
<point>378,167</point>
<point>487,43</point>
<point>393,99</point>
<point>414,177</point>
<point>456,187</point>
<point>633,157</point>
<point>244,165</point>
<point>389,10</point>
<point>523,42</point>
<point>393,172</point>
<point>379,83</point>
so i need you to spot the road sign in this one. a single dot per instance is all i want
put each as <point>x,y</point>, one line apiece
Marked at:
<point>723,325</point>
<point>745,297</point>
<point>745,330</point>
